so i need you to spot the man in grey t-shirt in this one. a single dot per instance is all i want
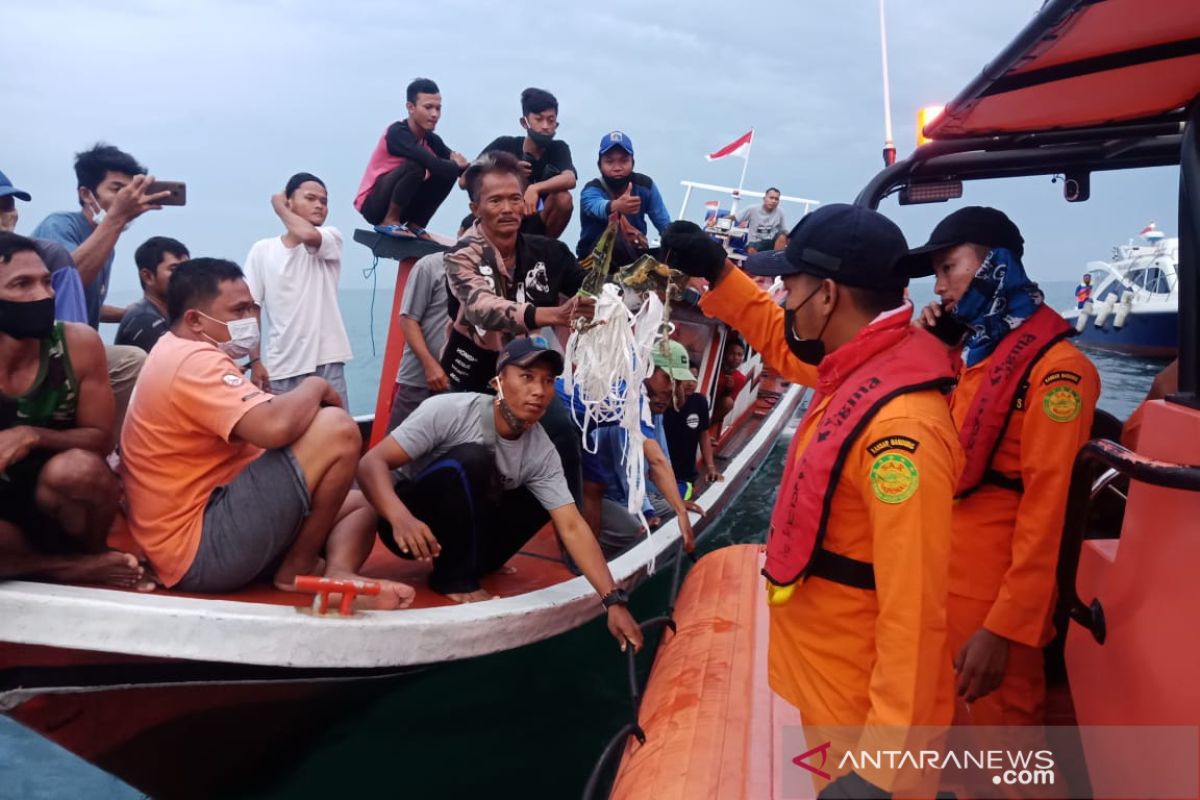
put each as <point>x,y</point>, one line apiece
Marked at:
<point>766,228</point>
<point>480,477</point>
<point>424,321</point>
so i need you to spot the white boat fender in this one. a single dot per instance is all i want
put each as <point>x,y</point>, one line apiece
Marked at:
<point>1124,309</point>
<point>1106,307</point>
<point>1084,313</point>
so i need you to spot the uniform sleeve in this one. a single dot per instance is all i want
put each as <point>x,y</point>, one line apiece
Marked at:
<point>593,202</point>
<point>208,388</point>
<point>737,302</point>
<point>476,294</point>
<point>906,469</point>
<point>657,210</point>
<point>330,248</point>
<point>1060,405</point>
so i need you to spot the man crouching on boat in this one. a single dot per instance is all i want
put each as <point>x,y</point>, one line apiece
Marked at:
<point>57,496</point>
<point>226,482</point>
<point>479,478</point>
<point>859,547</point>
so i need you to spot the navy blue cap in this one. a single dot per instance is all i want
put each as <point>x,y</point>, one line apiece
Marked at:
<point>525,350</point>
<point>616,139</point>
<point>7,189</point>
<point>848,244</point>
<point>981,225</point>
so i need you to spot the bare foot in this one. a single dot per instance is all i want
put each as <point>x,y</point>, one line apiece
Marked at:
<point>476,596</point>
<point>507,569</point>
<point>285,576</point>
<point>111,568</point>
<point>392,594</point>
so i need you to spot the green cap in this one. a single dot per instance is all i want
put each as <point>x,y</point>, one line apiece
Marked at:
<point>674,361</point>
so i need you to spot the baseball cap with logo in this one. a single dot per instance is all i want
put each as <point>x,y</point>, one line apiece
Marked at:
<point>616,139</point>
<point>850,245</point>
<point>7,189</point>
<point>674,361</point>
<point>525,350</point>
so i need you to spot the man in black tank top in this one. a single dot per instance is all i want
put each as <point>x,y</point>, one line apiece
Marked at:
<point>58,497</point>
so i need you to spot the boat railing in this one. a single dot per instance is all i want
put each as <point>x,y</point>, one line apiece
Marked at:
<point>1085,488</point>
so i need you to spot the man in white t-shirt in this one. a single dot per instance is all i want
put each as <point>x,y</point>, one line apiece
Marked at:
<point>294,278</point>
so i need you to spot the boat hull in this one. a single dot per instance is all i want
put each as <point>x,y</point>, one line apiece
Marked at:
<point>1145,333</point>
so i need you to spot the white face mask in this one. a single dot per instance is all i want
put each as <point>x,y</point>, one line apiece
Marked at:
<point>243,336</point>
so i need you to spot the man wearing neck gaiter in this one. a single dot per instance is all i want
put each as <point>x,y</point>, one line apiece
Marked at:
<point>1023,407</point>
<point>858,551</point>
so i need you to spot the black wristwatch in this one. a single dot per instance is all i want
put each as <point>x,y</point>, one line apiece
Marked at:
<point>617,597</point>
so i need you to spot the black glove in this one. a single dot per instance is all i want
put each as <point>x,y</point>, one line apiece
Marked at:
<point>689,249</point>
<point>852,786</point>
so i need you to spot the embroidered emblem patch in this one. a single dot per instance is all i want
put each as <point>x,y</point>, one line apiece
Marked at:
<point>1062,404</point>
<point>231,379</point>
<point>894,478</point>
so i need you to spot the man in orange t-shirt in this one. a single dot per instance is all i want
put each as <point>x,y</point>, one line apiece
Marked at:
<point>225,482</point>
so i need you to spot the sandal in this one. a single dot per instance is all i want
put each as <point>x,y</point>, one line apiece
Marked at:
<point>400,231</point>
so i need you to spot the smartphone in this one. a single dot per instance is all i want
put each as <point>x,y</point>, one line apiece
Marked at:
<point>949,329</point>
<point>177,189</point>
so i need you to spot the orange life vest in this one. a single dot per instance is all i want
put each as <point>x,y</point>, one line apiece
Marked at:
<point>1000,393</point>
<point>885,360</point>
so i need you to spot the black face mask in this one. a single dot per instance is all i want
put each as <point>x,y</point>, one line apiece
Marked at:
<point>539,138</point>
<point>810,351</point>
<point>32,319</point>
<point>617,185</point>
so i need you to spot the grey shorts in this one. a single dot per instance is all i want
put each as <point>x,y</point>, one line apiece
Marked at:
<point>405,402</point>
<point>335,373</point>
<point>619,530</point>
<point>249,524</point>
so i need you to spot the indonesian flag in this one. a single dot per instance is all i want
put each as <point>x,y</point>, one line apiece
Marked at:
<point>738,147</point>
<point>1146,230</point>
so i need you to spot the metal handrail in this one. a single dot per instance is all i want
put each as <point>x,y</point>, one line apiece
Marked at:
<point>1122,462</point>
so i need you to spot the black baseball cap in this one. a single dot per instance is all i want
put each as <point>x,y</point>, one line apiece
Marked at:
<point>980,225</point>
<point>525,350</point>
<point>850,245</point>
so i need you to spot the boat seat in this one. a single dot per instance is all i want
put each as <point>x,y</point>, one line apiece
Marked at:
<point>394,247</point>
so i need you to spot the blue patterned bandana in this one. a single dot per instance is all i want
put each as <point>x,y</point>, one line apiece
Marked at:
<point>1000,298</point>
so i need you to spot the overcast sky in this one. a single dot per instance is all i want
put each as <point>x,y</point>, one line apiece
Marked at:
<point>233,97</point>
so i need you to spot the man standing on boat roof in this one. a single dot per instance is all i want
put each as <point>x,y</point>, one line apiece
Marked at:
<point>764,224</point>
<point>619,190</point>
<point>857,556</point>
<point>1023,407</point>
<point>505,284</point>
<point>479,479</point>
<point>546,162</point>
<point>411,170</point>
<point>226,482</point>
<point>58,497</point>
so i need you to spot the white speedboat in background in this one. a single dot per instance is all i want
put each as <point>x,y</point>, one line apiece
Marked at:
<point>1134,307</point>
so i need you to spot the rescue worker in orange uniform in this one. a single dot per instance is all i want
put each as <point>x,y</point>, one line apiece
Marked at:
<point>1023,406</point>
<point>858,554</point>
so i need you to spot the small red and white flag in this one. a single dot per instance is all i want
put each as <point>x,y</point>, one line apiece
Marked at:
<point>738,147</point>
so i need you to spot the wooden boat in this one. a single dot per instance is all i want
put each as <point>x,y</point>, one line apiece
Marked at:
<point>1087,86</point>
<point>106,673</point>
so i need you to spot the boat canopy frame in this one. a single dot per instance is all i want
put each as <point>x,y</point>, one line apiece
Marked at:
<point>1170,140</point>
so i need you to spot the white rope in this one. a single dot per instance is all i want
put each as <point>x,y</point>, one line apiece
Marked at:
<point>605,364</point>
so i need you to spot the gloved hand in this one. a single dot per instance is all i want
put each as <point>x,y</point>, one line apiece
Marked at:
<point>853,786</point>
<point>687,248</point>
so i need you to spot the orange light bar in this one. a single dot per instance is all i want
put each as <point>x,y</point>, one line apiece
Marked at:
<point>925,116</point>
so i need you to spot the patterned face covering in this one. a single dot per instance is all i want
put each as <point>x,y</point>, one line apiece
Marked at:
<point>1000,298</point>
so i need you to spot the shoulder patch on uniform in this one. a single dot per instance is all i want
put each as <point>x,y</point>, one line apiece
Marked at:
<point>893,443</point>
<point>1062,404</point>
<point>232,380</point>
<point>1061,375</point>
<point>894,478</point>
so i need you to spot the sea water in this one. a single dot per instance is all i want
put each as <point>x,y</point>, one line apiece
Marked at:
<point>531,722</point>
